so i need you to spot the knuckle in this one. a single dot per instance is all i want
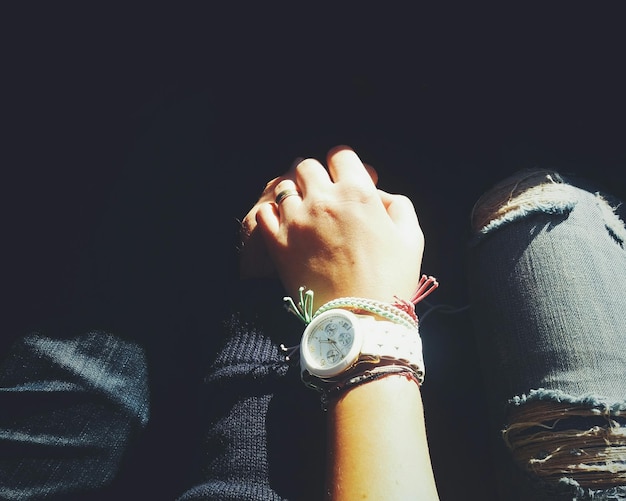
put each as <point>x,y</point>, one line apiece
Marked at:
<point>283,184</point>
<point>307,165</point>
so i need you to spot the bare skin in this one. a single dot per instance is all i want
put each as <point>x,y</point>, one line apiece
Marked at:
<point>344,237</point>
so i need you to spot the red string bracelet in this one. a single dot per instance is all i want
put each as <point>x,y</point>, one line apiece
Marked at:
<point>425,286</point>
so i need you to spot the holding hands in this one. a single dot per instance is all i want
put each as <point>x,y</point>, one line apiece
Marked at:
<point>332,231</point>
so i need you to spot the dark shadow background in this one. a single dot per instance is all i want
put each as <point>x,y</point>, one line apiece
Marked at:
<point>442,101</point>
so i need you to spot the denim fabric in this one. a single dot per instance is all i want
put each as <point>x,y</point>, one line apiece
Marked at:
<point>548,296</point>
<point>547,300</point>
<point>547,289</point>
<point>68,409</point>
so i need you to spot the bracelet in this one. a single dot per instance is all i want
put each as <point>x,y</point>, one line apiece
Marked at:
<point>425,286</point>
<point>335,389</point>
<point>343,349</point>
<point>401,311</point>
<point>361,305</point>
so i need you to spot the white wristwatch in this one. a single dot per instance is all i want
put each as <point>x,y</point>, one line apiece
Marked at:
<point>337,340</point>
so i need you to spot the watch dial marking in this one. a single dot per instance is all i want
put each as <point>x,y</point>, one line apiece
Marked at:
<point>334,339</point>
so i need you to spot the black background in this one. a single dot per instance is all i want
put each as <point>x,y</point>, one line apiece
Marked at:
<point>442,101</point>
<point>447,100</point>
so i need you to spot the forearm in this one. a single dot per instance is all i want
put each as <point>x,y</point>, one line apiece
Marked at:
<point>377,443</point>
<point>347,240</point>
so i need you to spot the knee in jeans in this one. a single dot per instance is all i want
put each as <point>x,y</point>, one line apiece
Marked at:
<point>525,192</point>
<point>534,191</point>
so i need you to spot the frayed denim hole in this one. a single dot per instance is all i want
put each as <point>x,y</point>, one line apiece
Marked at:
<point>557,437</point>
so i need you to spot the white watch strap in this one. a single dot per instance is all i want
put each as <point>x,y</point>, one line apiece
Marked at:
<point>391,341</point>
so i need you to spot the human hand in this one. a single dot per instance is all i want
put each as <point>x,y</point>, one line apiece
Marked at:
<point>343,236</point>
<point>254,259</point>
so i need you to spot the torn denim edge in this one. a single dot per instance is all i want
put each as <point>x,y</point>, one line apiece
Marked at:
<point>546,198</point>
<point>554,198</point>
<point>563,450</point>
<point>559,396</point>
<point>525,210</point>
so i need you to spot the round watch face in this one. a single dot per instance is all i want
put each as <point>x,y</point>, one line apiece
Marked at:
<point>330,343</point>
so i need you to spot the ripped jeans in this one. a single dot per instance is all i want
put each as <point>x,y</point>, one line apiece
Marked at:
<point>547,277</point>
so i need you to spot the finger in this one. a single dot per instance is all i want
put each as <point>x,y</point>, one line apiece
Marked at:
<point>311,176</point>
<point>345,165</point>
<point>269,192</point>
<point>248,224</point>
<point>400,210</point>
<point>287,195</point>
<point>268,220</point>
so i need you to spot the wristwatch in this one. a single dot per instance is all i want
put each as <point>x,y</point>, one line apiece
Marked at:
<point>336,341</point>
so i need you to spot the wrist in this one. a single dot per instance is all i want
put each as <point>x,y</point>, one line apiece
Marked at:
<point>377,443</point>
<point>340,349</point>
<point>351,341</point>
<point>392,392</point>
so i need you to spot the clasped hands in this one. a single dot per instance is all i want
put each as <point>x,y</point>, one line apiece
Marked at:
<point>341,236</point>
